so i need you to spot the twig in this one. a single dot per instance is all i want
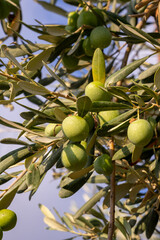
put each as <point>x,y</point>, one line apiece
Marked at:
<point>112,195</point>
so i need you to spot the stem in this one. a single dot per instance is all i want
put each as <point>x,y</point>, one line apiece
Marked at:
<point>112,196</point>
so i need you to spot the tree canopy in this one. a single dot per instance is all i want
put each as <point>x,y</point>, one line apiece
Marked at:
<point>94,84</point>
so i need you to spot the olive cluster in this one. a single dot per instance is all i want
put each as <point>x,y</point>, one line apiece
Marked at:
<point>97,36</point>
<point>8,220</point>
<point>76,129</point>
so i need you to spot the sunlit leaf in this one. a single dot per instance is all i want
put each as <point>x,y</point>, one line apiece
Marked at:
<point>46,211</point>
<point>8,198</point>
<point>124,72</point>
<point>55,225</point>
<point>98,66</point>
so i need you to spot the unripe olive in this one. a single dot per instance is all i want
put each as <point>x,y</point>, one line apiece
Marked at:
<point>75,128</point>
<point>103,164</point>
<point>106,116</point>
<point>74,156</point>
<point>87,47</point>
<point>100,37</point>
<point>52,129</point>
<point>140,132</point>
<point>70,61</point>
<point>72,18</point>
<point>8,219</point>
<point>95,93</point>
<point>86,18</point>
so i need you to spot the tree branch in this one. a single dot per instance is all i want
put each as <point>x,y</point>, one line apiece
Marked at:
<point>112,195</point>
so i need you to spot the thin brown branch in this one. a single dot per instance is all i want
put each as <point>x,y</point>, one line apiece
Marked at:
<point>112,196</point>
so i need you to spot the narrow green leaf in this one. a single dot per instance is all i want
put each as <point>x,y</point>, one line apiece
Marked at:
<point>157,78</point>
<point>122,228</point>
<point>53,74</point>
<point>36,62</point>
<point>6,52</point>
<point>151,223</point>
<point>113,130</point>
<point>76,44</point>
<point>83,105</point>
<point>33,88</point>
<point>106,105</point>
<point>134,191</point>
<point>117,92</point>
<point>15,125</point>
<point>13,141</point>
<point>10,153</point>
<point>141,226</point>
<point>46,211</point>
<point>140,34</point>
<point>124,72</point>
<point>32,177</point>
<point>70,186</point>
<point>120,192</point>
<point>59,114</point>
<point>67,221</point>
<point>136,153</point>
<point>6,177</point>
<point>80,173</point>
<point>98,179</point>
<point>52,8</point>
<point>23,49</point>
<point>8,198</point>
<point>54,225</point>
<point>98,66</point>
<point>124,152</point>
<point>149,72</point>
<point>115,18</point>
<point>18,156</point>
<point>35,156</point>
<point>146,88</point>
<point>91,202</point>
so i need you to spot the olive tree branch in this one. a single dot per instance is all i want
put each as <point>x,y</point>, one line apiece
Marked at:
<point>112,194</point>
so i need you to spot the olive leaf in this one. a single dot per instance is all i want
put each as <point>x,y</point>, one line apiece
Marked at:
<point>83,105</point>
<point>98,66</point>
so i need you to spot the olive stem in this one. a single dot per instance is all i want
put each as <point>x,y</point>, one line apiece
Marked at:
<point>112,195</point>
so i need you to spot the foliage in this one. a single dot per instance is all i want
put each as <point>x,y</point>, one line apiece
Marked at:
<point>132,190</point>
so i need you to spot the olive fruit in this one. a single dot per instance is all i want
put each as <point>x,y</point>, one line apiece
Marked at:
<point>100,37</point>
<point>74,156</point>
<point>103,164</point>
<point>75,128</point>
<point>86,18</point>
<point>140,132</point>
<point>72,18</point>
<point>87,47</point>
<point>95,93</point>
<point>106,116</point>
<point>8,219</point>
<point>52,129</point>
<point>69,61</point>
